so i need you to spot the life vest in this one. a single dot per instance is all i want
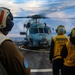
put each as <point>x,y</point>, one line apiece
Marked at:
<point>70,59</point>
<point>59,41</point>
<point>3,38</point>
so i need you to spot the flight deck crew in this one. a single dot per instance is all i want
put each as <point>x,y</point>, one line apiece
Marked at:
<point>68,55</point>
<point>55,51</point>
<point>12,61</point>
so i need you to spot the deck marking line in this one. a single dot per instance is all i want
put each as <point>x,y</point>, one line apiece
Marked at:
<point>33,50</point>
<point>41,70</point>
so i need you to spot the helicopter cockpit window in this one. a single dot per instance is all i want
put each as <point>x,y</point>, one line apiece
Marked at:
<point>33,30</point>
<point>47,30</point>
<point>41,30</point>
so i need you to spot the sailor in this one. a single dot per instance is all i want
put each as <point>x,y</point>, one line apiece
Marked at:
<point>68,55</point>
<point>56,47</point>
<point>12,61</point>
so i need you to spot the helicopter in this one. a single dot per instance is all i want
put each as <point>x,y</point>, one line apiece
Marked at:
<point>37,35</point>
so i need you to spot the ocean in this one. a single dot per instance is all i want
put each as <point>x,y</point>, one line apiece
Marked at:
<point>22,38</point>
<point>17,38</point>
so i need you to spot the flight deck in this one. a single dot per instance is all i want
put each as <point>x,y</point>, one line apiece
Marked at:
<point>38,61</point>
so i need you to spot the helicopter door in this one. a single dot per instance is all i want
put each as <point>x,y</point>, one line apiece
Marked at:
<point>47,30</point>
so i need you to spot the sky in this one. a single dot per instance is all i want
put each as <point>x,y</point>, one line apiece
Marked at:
<point>53,9</point>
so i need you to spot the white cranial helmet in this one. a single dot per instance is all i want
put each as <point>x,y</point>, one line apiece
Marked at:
<point>6,19</point>
<point>3,16</point>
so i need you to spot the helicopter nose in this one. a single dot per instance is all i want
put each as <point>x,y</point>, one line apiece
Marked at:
<point>44,39</point>
<point>43,42</point>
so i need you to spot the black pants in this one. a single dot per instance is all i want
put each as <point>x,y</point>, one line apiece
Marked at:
<point>57,65</point>
<point>2,70</point>
<point>68,70</point>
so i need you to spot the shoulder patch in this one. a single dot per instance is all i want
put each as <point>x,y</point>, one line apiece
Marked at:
<point>25,64</point>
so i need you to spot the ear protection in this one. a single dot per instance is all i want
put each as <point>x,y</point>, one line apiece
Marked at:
<point>6,19</point>
<point>60,29</point>
<point>72,34</point>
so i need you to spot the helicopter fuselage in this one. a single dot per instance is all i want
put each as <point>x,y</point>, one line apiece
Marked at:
<point>38,35</point>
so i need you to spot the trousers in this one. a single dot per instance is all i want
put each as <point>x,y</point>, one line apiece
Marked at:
<point>57,66</point>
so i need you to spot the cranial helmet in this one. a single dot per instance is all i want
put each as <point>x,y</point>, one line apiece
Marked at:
<point>72,34</point>
<point>60,29</point>
<point>6,19</point>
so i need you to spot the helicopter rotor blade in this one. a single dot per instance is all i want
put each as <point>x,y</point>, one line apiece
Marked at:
<point>23,17</point>
<point>33,17</point>
<point>71,18</point>
<point>43,17</point>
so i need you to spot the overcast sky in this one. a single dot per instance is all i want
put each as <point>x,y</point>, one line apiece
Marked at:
<point>50,8</point>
